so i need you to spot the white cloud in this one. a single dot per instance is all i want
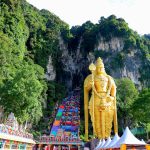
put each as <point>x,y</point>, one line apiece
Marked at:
<point>76,12</point>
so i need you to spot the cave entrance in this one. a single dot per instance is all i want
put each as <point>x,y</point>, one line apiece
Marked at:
<point>77,81</point>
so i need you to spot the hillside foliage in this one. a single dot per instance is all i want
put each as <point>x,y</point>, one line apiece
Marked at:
<point>27,37</point>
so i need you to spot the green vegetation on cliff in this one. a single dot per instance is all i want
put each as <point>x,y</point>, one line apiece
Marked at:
<point>44,32</point>
<point>88,35</point>
<point>27,37</point>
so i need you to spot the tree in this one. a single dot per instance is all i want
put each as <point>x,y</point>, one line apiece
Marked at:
<point>10,57</point>
<point>22,94</point>
<point>141,106</point>
<point>141,109</point>
<point>126,95</point>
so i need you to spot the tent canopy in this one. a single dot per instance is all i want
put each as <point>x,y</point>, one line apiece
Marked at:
<point>128,138</point>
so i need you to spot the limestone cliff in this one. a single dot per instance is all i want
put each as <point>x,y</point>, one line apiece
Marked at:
<point>125,53</point>
<point>75,65</point>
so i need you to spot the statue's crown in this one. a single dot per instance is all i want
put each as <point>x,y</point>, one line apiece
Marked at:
<point>99,63</point>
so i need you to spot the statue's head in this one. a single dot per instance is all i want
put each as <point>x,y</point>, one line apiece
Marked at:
<point>100,66</point>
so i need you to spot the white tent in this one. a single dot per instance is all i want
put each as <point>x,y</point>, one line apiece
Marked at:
<point>127,138</point>
<point>114,141</point>
<point>106,143</point>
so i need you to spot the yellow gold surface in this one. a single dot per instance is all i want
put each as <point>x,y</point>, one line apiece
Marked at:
<point>102,103</point>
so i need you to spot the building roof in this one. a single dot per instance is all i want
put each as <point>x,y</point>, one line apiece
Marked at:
<point>16,138</point>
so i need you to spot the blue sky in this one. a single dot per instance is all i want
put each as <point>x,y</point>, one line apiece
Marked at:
<point>75,12</point>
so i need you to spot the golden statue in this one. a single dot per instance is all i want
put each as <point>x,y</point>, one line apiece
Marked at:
<point>102,104</point>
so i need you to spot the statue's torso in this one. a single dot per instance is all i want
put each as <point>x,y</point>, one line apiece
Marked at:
<point>101,83</point>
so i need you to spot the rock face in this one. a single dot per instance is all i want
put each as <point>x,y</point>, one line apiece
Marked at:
<point>72,64</point>
<point>130,69</point>
<point>118,63</point>
<point>51,73</point>
<point>115,44</point>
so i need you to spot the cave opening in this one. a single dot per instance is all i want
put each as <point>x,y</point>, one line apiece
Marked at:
<point>77,81</point>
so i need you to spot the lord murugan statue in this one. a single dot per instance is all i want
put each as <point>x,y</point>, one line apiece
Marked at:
<point>102,103</point>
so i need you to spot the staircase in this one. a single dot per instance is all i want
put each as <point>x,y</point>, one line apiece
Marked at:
<point>67,120</point>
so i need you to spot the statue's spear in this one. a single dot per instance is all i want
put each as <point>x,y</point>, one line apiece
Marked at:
<point>92,68</point>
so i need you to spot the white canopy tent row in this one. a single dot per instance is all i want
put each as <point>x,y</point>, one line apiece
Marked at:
<point>126,140</point>
<point>108,143</point>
